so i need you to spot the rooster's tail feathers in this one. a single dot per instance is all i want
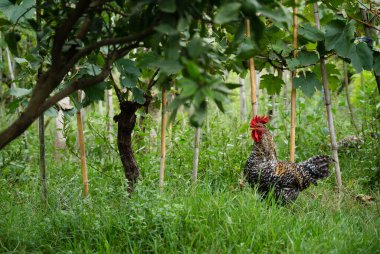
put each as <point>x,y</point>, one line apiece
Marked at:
<point>318,166</point>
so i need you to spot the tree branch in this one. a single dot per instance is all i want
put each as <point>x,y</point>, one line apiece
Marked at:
<point>110,41</point>
<point>64,30</point>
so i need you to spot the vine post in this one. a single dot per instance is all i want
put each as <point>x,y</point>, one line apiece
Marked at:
<point>82,148</point>
<point>330,119</point>
<point>293,92</point>
<point>163,140</point>
<point>252,73</point>
<point>196,153</point>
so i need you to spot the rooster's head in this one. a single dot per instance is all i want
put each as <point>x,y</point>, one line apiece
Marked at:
<point>257,127</point>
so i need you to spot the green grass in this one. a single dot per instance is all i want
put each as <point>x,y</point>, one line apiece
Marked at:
<point>215,216</point>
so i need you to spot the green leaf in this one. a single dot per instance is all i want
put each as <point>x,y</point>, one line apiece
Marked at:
<point>310,33</point>
<point>199,115</point>
<point>271,83</point>
<point>195,48</point>
<point>172,48</point>
<point>307,58</point>
<point>376,63</point>
<point>138,95</point>
<point>340,37</point>
<point>292,63</point>
<point>194,70</point>
<point>308,83</point>
<point>189,87</point>
<point>129,73</point>
<point>15,12</point>
<point>166,29</point>
<point>168,6</point>
<point>232,85</point>
<point>168,67</point>
<point>19,92</point>
<point>361,57</point>
<point>95,93</point>
<point>227,13</point>
<point>12,38</point>
<point>246,49</point>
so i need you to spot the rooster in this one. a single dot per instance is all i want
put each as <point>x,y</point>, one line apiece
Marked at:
<point>286,179</point>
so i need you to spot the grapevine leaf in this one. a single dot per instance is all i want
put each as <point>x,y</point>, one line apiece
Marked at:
<point>227,13</point>
<point>271,83</point>
<point>308,83</point>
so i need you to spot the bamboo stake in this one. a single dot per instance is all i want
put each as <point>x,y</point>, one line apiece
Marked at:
<point>196,154</point>
<point>110,114</point>
<point>348,98</point>
<point>330,120</point>
<point>243,105</point>
<point>293,93</point>
<point>41,122</point>
<point>82,149</point>
<point>252,73</point>
<point>163,134</point>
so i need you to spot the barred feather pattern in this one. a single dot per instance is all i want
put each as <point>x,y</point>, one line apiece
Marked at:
<point>286,179</point>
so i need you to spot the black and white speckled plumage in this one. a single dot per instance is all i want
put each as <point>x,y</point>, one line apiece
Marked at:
<point>286,178</point>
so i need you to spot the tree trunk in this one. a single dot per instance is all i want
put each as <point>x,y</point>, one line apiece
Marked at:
<point>126,120</point>
<point>293,93</point>
<point>330,120</point>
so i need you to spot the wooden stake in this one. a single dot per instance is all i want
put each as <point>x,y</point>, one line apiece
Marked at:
<point>252,74</point>
<point>293,93</point>
<point>163,134</point>
<point>196,154</point>
<point>41,122</point>
<point>110,114</point>
<point>82,149</point>
<point>243,106</point>
<point>330,120</point>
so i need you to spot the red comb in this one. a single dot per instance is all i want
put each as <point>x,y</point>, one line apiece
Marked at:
<point>259,119</point>
<point>258,131</point>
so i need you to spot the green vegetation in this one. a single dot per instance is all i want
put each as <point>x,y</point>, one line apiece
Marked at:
<point>216,216</point>
<point>129,52</point>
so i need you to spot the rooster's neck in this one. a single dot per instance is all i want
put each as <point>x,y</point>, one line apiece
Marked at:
<point>265,149</point>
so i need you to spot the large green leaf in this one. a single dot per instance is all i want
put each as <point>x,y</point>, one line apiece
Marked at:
<point>189,87</point>
<point>138,95</point>
<point>166,29</point>
<point>271,83</point>
<point>307,58</point>
<point>333,75</point>
<point>227,13</point>
<point>95,93</point>
<point>340,37</point>
<point>376,63</point>
<point>19,92</point>
<point>129,73</point>
<point>310,33</point>
<point>361,57</point>
<point>168,67</point>
<point>17,12</point>
<point>308,83</point>
<point>195,48</point>
<point>168,6</point>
